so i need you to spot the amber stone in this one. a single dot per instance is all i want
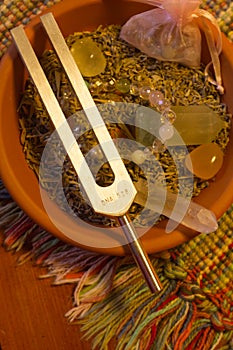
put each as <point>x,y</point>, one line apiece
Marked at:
<point>205,160</point>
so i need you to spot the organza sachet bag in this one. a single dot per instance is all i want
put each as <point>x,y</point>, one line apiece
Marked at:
<point>170,33</point>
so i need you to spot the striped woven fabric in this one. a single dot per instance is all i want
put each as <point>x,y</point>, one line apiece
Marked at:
<point>195,309</point>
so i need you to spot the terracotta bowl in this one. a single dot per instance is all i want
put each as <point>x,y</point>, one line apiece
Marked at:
<point>21,181</point>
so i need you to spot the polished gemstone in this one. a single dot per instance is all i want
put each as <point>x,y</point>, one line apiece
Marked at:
<point>134,89</point>
<point>166,131</point>
<point>205,161</point>
<point>138,156</point>
<point>178,208</point>
<point>197,124</point>
<point>144,92</point>
<point>123,85</point>
<point>193,125</point>
<point>158,146</point>
<point>156,98</point>
<point>88,56</point>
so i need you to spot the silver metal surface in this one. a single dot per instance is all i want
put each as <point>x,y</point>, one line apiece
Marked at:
<point>139,254</point>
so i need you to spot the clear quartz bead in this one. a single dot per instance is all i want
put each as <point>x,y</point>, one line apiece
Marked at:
<point>166,131</point>
<point>134,89</point>
<point>110,85</point>
<point>144,92</point>
<point>148,153</point>
<point>169,115</point>
<point>98,83</point>
<point>138,157</point>
<point>96,152</point>
<point>158,146</point>
<point>156,98</point>
<point>164,106</point>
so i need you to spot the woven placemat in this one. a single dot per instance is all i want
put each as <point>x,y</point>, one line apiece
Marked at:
<point>195,309</point>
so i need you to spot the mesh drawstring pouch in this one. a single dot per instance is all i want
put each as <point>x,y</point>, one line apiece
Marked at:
<point>171,32</point>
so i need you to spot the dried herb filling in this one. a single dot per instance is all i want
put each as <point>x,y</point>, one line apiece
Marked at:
<point>181,86</point>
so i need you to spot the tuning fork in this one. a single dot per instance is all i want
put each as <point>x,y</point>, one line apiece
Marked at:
<point>104,200</point>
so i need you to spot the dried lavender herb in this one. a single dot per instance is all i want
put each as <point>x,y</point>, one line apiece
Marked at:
<point>125,66</point>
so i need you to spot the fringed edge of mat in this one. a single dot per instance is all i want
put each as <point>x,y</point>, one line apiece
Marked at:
<point>111,300</point>
<point>181,317</point>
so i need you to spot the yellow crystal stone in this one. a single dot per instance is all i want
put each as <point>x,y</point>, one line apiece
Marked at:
<point>197,124</point>
<point>88,57</point>
<point>205,160</point>
<point>194,125</point>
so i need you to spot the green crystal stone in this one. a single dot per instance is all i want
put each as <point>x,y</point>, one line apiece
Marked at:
<point>88,57</point>
<point>194,125</point>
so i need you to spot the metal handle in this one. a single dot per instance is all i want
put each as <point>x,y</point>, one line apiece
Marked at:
<point>140,255</point>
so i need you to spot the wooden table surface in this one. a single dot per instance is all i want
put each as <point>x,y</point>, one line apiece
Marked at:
<point>32,310</point>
